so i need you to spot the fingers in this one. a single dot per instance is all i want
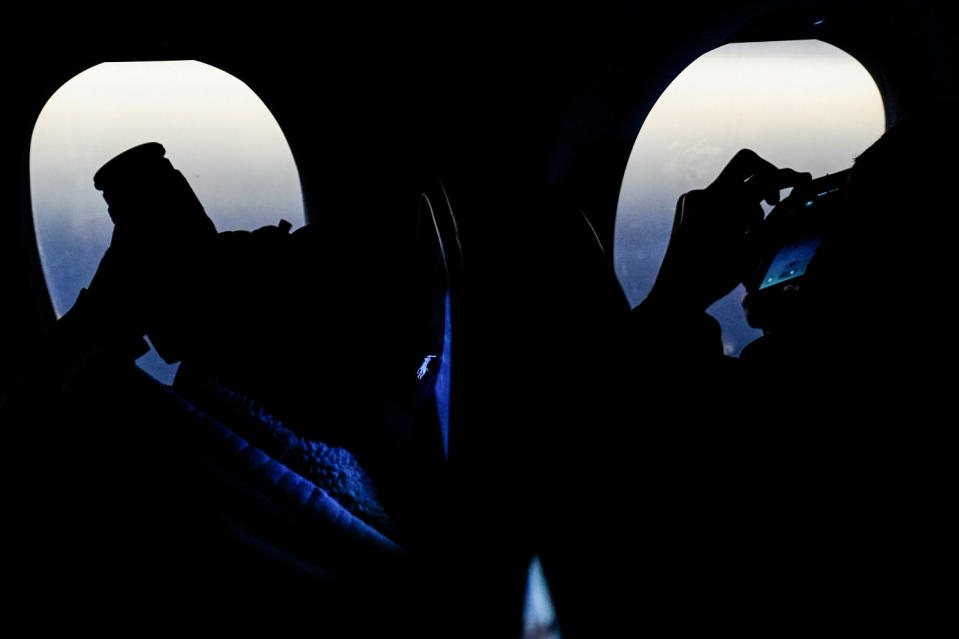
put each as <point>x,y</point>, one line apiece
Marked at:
<point>766,185</point>
<point>744,165</point>
<point>757,179</point>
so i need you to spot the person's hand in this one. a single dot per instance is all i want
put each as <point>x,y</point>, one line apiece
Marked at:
<point>709,250</point>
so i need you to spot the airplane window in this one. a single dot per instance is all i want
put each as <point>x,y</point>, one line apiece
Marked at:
<point>803,104</point>
<point>215,129</point>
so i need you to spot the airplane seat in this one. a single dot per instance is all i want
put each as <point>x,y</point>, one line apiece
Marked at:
<point>544,307</point>
<point>352,522</point>
<point>542,299</point>
<point>579,312</point>
<point>441,267</point>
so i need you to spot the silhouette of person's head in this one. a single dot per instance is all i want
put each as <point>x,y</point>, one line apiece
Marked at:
<point>886,262</point>
<point>882,278</point>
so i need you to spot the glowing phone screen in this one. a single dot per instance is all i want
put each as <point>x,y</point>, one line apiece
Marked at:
<point>791,261</point>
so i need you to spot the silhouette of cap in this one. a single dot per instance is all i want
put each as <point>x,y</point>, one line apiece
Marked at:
<point>123,166</point>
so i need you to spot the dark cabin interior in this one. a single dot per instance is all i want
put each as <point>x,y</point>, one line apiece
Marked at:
<point>525,114</point>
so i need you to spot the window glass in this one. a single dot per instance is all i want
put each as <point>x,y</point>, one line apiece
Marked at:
<point>802,104</point>
<point>215,130</point>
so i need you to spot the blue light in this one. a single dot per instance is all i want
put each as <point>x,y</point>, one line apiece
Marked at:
<point>818,22</point>
<point>442,387</point>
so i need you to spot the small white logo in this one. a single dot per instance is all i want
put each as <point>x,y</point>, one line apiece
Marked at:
<point>424,367</point>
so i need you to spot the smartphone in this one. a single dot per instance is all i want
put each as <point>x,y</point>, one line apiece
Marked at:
<point>791,261</point>
<point>792,236</point>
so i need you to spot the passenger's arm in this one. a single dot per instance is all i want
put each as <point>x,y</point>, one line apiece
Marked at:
<point>709,251</point>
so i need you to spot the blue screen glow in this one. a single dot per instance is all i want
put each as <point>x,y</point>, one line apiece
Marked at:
<point>791,261</point>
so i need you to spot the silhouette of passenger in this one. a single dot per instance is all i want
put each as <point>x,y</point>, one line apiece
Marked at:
<point>818,455</point>
<point>277,317</point>
<point>804,482</point>
<point>309,345</point>
<point>877,287</point>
